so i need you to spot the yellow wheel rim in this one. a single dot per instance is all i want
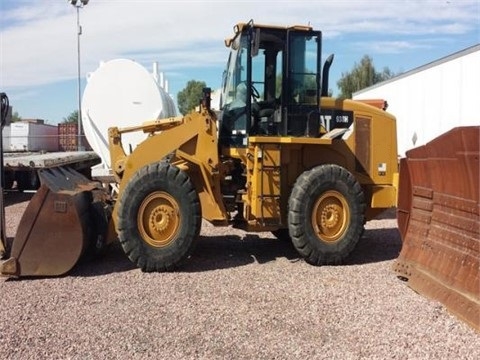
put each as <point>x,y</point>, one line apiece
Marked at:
<point>330,216</point>
<point>158,219</point>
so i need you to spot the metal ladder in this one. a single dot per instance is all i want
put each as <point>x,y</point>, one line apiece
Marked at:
<point>262,196</point>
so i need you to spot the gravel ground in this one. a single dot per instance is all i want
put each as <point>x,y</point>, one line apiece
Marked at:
<point>242,296</point>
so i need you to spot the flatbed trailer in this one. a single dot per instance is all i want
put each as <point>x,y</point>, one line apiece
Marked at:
<point>21,168</point>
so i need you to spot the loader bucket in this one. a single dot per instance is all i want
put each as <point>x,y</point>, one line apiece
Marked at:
<point>438,219</point>
<point>66,218</point>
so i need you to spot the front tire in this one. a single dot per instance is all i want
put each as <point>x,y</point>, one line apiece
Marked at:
<point>159,217</point>
<point>326,214</point>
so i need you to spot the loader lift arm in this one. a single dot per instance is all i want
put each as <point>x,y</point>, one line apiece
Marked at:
<point>166,186</point>
<point>193,142</point>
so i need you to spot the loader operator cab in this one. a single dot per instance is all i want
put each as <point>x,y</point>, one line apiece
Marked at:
<point>271,86</point>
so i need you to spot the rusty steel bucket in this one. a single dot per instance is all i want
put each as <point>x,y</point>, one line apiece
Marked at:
<point>438,219</point>
<point>67,218</point>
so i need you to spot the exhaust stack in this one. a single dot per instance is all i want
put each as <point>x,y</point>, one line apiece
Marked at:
<point>325,74</point>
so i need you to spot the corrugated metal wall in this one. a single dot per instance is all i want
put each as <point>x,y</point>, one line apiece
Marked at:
<point>433,98</point>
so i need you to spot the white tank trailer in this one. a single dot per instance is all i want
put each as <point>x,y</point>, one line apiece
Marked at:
<point>122,93</point>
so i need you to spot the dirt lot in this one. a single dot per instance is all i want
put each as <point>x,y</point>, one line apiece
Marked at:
<point>242,296</point>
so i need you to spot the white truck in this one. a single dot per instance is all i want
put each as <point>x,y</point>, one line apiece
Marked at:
<point>32,145</point>
<point>21,168</point>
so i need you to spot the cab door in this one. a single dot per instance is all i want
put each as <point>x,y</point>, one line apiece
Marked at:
<point>302,83</point>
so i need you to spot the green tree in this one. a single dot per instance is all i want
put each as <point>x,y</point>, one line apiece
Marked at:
<point>190,96</point>
<point>72,118</point>
<point>16,117</point>
<point>361,76</point>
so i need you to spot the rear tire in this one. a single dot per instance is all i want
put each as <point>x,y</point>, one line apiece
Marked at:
<point>326,214</point>
<point>159,217</point>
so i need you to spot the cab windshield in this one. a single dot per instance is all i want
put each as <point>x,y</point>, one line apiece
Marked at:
<point>235,78</point>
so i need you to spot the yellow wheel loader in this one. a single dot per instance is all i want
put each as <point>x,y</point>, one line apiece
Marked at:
<point>279,156</point>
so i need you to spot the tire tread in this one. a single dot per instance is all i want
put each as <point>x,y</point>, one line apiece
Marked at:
<point>166,177</point>
<point>306,186</point>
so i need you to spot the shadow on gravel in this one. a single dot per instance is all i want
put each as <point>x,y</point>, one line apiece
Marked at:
<point>223,252</point>
<point>388,214</point>
<point>211,253</point>
<point>376,245</point>
<point>231,251</point>
<point>113,260</point>
<point>15,197</point>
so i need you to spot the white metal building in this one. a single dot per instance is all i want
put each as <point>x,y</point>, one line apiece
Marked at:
<point>433,98</point>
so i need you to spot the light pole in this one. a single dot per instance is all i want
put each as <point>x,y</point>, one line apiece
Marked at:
<point>79,4</point>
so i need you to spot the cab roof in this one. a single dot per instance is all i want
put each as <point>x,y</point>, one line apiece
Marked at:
<point>239,27</point>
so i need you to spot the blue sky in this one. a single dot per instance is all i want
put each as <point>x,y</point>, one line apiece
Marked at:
<point>38,49</point>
